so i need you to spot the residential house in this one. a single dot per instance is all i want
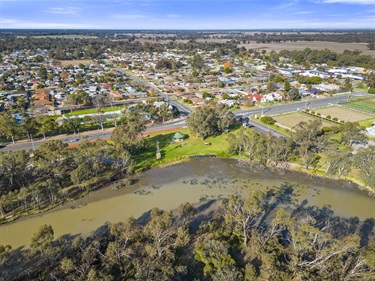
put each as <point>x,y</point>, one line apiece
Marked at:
<point>272,97</point>
<point>42,97</point>
<point>255,97</point>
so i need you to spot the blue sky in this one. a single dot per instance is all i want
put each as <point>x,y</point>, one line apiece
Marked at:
<point>187,14</point>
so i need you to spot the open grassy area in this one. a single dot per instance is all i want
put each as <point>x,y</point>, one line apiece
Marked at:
<point>93,110</point>
<point>367,123</point>
<point>342,113</point>
<point>365,105</point>
<point>170,151</point>
<point>75,62</point>
<point>314,45</point>
<point>292,119</point>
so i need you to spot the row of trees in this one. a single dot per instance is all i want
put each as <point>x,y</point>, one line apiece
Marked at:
<point>252,239</point>
<point>31,127</point>
<point>329,57</point>
<point>311,146</point>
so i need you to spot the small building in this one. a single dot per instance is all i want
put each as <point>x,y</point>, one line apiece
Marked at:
<point>178,136</point>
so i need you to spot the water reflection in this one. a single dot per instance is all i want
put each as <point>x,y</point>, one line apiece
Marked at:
<point>203,180</point>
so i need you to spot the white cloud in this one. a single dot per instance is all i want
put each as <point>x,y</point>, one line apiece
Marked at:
<point>173,16</point>
<point>361,2</point>
<point>64,10</point>
<point>285,5</point>
<point>45,25</point>
<point>303,12</point>
<point>131,16</point>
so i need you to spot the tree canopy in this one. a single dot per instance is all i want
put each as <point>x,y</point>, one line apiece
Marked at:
<point>210,120</point>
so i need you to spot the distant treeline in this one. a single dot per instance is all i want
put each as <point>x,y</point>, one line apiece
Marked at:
<point>64,48</point>
<point>265,36</point>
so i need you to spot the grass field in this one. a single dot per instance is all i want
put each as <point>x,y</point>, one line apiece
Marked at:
<point>193,145</point>
<point>75,62</point>
<point>93,110</point>
<point>367,123</point>
<point>366,105</point>
<point>342,113</point>
<point>291,120</point>
<point>316,45</point>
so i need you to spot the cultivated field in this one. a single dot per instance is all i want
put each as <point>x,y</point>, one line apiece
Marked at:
<point>345,114</point>
<point>75,62</point>
<point>68,36</point>
<point>291,120</point>
<point>314,45</point>
<point>366,105</point>
<point>299,45</point>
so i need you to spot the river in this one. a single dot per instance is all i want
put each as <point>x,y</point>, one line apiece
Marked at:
<point>195,181</point>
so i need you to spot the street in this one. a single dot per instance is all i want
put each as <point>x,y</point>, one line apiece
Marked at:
<point>185,111</point>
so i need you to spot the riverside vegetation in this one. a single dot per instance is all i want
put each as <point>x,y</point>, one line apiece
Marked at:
<point>35,181</point>
<point>244,240</point>
<point>252,239</point>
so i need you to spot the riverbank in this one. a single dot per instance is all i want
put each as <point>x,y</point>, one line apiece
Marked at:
<point>110,191</point>
<point>173,153</point>
<point>196,181</point>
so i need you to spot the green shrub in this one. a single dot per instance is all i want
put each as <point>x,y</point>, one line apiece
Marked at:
<point>318,114</point>
<point>326,129</point>
<point>335,119</point>
<point>371,90</point>
<point>328,116</point>
<point>268,120</point>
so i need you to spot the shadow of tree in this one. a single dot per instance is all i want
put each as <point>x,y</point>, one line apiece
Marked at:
<point>203,214</point>
<point>366,231</point>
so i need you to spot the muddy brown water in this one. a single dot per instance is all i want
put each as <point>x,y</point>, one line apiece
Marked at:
<point>196,181</point>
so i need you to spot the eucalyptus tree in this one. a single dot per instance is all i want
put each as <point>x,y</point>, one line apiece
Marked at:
<point>52,161</point>
<point>308,138</point>
<point>71,125</point>
<point>364,160</point>
<point>246,142</point>
<point>352,132</point>
<point>29,126</point>
<point>128,136</point>
<point>46,125</point>
<point>210,120</point>
<point>15,169</point>
<point>9,126</point>
<point>338,161</point>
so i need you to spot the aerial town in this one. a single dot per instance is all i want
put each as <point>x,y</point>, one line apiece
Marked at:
<point>32,83</point>
<point>181,153</point>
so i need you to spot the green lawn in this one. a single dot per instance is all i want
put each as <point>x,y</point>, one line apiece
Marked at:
<point>365,105</point>
<point>193,145</point>
<point>93,110</point>
<point>367,123</point>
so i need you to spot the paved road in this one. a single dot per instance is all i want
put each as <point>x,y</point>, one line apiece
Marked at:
<point>308,103</point>
<point>279,109</point>
<point>93,135</point>
<point>260,128</point>
<point>184,110</point>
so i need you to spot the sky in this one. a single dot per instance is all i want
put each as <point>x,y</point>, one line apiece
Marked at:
<point>187,14</point>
